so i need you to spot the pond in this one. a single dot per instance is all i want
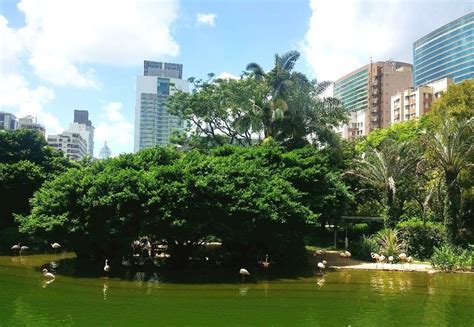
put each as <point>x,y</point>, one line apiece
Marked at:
<point>341,298</point>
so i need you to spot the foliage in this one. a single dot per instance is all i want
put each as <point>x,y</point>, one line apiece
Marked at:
<point>281,104</point>
<point>253,199</point>
<point>365,246</point>
<point>25,163</point>
<point>389,242</point>
<point>451,257</point>
<point>451,150</point>
<point>384,171</point>
<point>422,237</point>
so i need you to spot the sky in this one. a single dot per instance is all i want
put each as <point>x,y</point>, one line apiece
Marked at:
<point>61,55</point>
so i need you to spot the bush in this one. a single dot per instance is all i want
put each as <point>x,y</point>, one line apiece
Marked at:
<point>365,246</point>
<point>389,242</point>
<point>421,239</point>
<point>450,257</point>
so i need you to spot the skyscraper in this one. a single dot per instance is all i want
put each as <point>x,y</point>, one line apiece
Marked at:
<point>29,122</point>
<point>153,123</point>
<point>83,126</point>
<point>446,52</point>
<point>8,121</point>
<point>366,92</point>
<point>71,144</point>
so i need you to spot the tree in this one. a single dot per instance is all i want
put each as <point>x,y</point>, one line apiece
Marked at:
<point>451,149</point>
<point>383,170</point>
<point>26,161</point>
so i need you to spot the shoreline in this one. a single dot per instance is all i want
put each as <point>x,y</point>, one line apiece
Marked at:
<point>335,262</point>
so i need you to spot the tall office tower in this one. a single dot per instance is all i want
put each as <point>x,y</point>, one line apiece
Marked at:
<point>414,102</point>
<point>366,92</point>
<point>8,121</point>
<point>83,126</point>
<point>29,122</point>
<point>71,144</point>
<point>105,152</point>
<point>153,124</point>
<point>446,52</point>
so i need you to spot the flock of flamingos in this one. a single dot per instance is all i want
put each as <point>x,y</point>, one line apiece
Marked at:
<point>379,259</point>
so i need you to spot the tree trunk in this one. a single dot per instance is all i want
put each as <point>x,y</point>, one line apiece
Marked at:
<point>452,206</point>
<point>391,211</point>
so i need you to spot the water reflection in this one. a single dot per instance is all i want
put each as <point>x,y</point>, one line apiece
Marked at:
<point>243,291</point>
<point>105,287</point>
<point>47,282</point>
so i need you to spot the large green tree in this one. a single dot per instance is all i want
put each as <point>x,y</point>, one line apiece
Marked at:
<point>26,161</point>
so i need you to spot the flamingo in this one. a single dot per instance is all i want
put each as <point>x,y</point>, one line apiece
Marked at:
<point>244,272</point>
<point>321,267</point>
<point>16,247</point>
<point>403,257</point>
<point>266,263</point>
<point>55,246</point>
<point>23,248</point>
<point>48,274</point>
<point>410,260</point>
<point>106,266</point>
<point>348,254</point>
<point>376,257</point>
<point>381,259</point>
<point>390,259</point>
<point>342,255</point>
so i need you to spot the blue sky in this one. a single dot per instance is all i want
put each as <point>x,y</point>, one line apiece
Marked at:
<point>61,55</point>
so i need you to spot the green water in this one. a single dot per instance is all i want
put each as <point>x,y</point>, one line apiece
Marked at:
<point>356,298</point>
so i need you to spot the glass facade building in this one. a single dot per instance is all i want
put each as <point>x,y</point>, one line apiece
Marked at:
<point>153,124</point>
<point>445,52</point>
<point>353,90</point>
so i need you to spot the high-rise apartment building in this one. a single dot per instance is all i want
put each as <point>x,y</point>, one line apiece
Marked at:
<point>29,122</point>
<point>83,126</point>
<point>8,121</point>
<point>366,92</point>
<point>414,102</point>
<point>71,144</point>
<point>446,52</point>
<point>153,124</point>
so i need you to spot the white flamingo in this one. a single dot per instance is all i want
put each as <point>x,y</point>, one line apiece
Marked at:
<point>376,257</point>
<point>390,259</point>
<point>23,248</point>
<point>266,263</point>
<point>244,272</point>
<point>321,267</point>
<point>48,274</point>
<point>382,259</point>
<point>16,247</point>
<point>348,254</point>
<point>106,266</point>
<point>410,260</point>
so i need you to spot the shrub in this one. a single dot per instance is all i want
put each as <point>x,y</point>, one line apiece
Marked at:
<point>450,257</point>
<point>365,246</point>
<point>389,242</point>
<point>421,239</point>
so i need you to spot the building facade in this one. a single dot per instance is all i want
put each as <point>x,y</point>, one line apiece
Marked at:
<point>8,121</point>
<point>71,144</point>
<point>83,126</point>
<point>29,122</point>
<point>413,103</point>
<point>366,93</point>
<point>446,52</point>
<point>153,124</point>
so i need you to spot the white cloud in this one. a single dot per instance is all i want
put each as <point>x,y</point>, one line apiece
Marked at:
<point>114,129</point>
<point>16,94</point>
<point>62,37</point>
<point>206,19</point>
<point>343,35</point>
<point>226,75</point>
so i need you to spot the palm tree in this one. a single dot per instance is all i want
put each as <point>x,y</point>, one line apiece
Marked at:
<point>383,169</point>
<point>451,149</point>
<point>277,82</point>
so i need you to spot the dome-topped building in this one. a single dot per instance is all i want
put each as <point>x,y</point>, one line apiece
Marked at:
<point>105,152</point>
